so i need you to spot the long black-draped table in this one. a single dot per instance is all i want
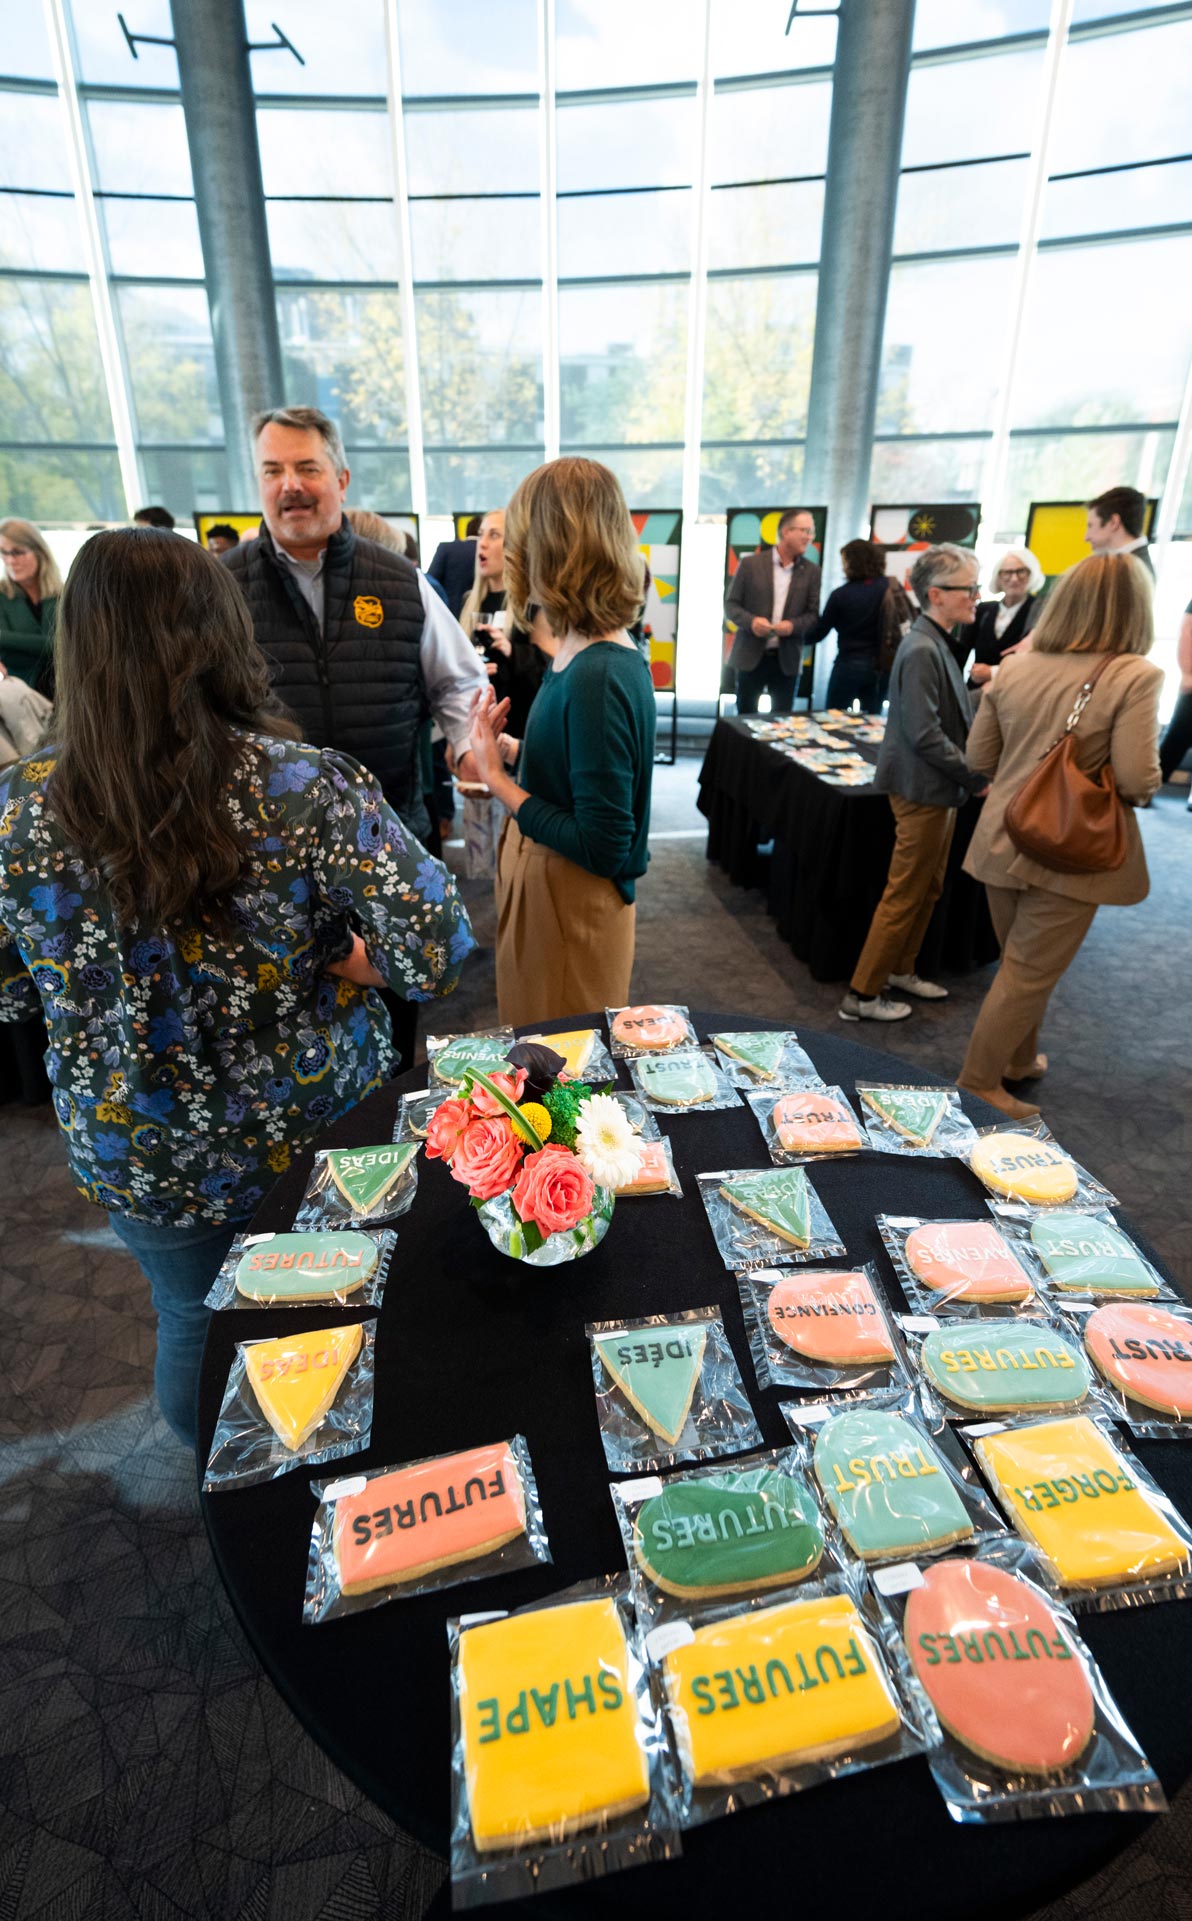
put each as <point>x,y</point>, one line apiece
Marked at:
<point>831,854</point>
<point>472,1348</point>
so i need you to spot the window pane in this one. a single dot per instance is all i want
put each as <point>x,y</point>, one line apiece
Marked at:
<point>926,470</point>
<point>337,240</point>
<point>350,58</point>
<point>139,149</point>
<point>961,207</point>
<point>380,481</point>
<point>189,481</point>
<point>473,150</point>
<point>622,363</point>
<point>738,476</point>
<point>943,346</point>
<point>648,478</point>
<point>35,232</point>
<point>757,365</point>
<point>33,141</point>
<point>51,377</point>
<point>625,233</point>
<point>26,44</point>
<point>460,49</point>
<point>1090,355</point>
<point>171,363</point>
<point>154,237</point>
<point>620,43</point>
<point>343,352</point>
<point>765,226</point>
<point>957,23</point>
<point>480,364</point>
<point>641,143</point>
<point>39,484</point>
<point>770,133</point>
<point>1123,97</point>
<point>475,239</point>
<point>315,150</point>
<point>751,36</point>
<point>1077,466</point>
<point>491,475</point>
<point>104,56</point>
<point>966,109</point>
<point>1115,202</point>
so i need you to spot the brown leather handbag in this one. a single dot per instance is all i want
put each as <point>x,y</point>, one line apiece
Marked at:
<point>1067,820</point>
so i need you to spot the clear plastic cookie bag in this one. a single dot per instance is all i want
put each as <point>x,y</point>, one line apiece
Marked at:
<point>655,1172</point>
<point>416,1110</point>
<point>293,1401</point>
<point>654,1027</point>
<point>1001,1370</point>
<point>639,1117</point>
<point>450,1055</point>
<point>538,1802</point>
<point>1022,1161</point>
<point>1025,1725</point>
<point>343,1267</point>
<point>422,1526</point>
<point>765,1058</point>
<point>808,1121</point>
<point>583,1052</point>
<point>689,1081</point>
<point>816,1668</point>
<point>359,1186</point>
<point>767,1217</point>
<point>906,1119</point>
<point>965,1269</point>
<point>1079,1253</point>
<point>824,1330</point>
<point>668,1389</point>
<point>1142,1353</point>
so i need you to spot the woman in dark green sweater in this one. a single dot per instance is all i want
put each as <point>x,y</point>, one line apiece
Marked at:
<point>580,807</point>
<point>29,588</point>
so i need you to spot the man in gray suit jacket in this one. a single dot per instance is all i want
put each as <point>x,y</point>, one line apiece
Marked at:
<point>922,768</point>
<point>773,599</point>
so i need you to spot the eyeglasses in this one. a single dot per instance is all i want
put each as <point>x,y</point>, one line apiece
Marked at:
<point>1015,573</point>
<point>13,553</point>
<point>957,587</point>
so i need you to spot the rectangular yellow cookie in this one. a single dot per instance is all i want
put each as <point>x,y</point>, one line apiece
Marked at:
<point>550,1725</point>
<point>769,1689</point>
<point>1068,1490</point>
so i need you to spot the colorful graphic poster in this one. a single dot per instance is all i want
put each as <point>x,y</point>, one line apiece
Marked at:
<point>1055,533</point>
<point>246,525</point>
<point>659,539</point>
<point>905,532</point>
<point>467,525</point>
<point>747,529</point>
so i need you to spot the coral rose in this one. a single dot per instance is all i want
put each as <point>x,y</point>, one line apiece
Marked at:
<point>511,1085</point>
<point>487,1157</point>
<point>553,1190</point>
<point>447,1124</point>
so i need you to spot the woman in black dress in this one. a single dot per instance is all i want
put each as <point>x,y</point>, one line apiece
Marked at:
<point>855,611</point>
<point>514,664</point>
<point>1001,624</point>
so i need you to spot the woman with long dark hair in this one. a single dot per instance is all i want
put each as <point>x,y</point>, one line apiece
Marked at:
<point>855,611</point>
<point>179,877</point>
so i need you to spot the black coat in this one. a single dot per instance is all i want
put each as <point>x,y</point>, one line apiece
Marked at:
<point>454,567</point>
<point>981,641</point>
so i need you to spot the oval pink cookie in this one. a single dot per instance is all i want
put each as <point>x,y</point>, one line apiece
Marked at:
<point>967,1261</point>
<point>997,1667</point>
<point>815,1123</point>
<point>648,1027</point>
<point>1147,1352</point>
<point>830,1317</point>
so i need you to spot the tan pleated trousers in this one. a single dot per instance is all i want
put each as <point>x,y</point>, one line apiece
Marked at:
<point>564,937</point>
<point>1040,935</point>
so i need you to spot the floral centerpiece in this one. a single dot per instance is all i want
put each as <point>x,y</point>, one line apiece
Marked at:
<point>540,1155</point>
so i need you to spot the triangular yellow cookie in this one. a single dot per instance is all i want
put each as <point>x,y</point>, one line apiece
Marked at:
<point>296,1378</point>
<point>575,1046</point>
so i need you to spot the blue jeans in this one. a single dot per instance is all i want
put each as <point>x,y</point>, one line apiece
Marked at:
<point>856,679</point>
<point>180,1264</point>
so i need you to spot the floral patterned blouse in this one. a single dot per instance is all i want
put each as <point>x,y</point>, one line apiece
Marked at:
<point>187,1065</point>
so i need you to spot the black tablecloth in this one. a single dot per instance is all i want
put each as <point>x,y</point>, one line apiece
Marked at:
<point>831,855</point>
<point>472,1348</point>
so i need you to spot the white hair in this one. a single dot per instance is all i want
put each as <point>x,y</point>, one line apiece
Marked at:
<point>1025,558</point>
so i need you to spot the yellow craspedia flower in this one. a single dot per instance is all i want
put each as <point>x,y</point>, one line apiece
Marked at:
<point>538,1118</point>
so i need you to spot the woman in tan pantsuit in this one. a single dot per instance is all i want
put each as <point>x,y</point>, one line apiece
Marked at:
<point>1102,605</point>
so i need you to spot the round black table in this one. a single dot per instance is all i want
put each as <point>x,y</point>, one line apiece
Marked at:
<point>472,1347</point>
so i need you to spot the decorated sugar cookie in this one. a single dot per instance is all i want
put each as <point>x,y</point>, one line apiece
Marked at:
<point>997,1666</point>
<point>830,1316</point>
<point>687,1081</point>
<point>365,1175</point>
<point>887,1485</point>
<point>471,1050</point>
<point>296,1379</point>
<point>1147,1352</point>
<point>777,1199</point>
<point>656,1369</point>
<point>967,1261</point>
<point>1084,1255</point>
<point>1024,1166</point>
<point>305,1267</point>
<point>913,1112</point>
<point>776,1686</point>
<point>754,1529</point>
<point>550,1724</point>
<point>653,1172</point>
<point>576,1046</point>
<point>403,1525</point>
<point>815,1123</point>
<point>1067,1488</point>
<point>1021,1365</point>
<point>651,1028</point>
<point>760,1053</point>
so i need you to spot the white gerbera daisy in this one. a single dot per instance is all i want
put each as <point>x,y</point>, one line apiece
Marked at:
<point>605,1143</point>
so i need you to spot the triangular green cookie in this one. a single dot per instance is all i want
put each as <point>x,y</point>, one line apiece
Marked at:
<point>364,1175</point>
<point>656,1369</point>
<point>913,1112</point>
<point>760,1053</point>
<point>778,1199</point>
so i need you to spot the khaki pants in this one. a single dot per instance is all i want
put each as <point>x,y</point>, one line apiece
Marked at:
<point>922,837</point>
<point>1040,934</point>
<point>564,936</point>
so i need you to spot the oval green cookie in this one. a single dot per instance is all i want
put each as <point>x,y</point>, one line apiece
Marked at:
<point>1086,1255</point>
<point>887,1485</point>
<point>684,1081</point>
<point>748,1530</point>
<point>1010,1365</point>
<point>305,1267</point>
<point>472,1050</point>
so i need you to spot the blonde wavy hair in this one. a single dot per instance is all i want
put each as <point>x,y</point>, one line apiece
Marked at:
<point>1102,605</point>
<point>571,549</point>
<point>470,610</point>
<point>23,533</point>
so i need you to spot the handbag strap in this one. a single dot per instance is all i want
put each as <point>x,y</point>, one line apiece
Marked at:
<point>1080,703</point>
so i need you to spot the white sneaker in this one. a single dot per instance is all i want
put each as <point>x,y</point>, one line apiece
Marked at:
<point>853,1008</point>
<point>922,990</point>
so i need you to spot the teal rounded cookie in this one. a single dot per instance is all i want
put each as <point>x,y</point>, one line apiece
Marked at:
<point>472,1050</point>
<point>305,1267</point>
<point>1012,1364</point>
<point>728,1533</point>
<point>686,1080</point>
<point>888,1486</point>
<point>1086,1255</point>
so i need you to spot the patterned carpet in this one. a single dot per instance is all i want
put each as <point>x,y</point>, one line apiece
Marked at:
<point>147,1768</point>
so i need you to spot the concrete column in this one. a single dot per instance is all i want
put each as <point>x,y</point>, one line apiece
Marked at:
<point>221,130</point>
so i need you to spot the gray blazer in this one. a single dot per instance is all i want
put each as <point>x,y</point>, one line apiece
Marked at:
<point>751,592</point>
<point>922,755</point>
